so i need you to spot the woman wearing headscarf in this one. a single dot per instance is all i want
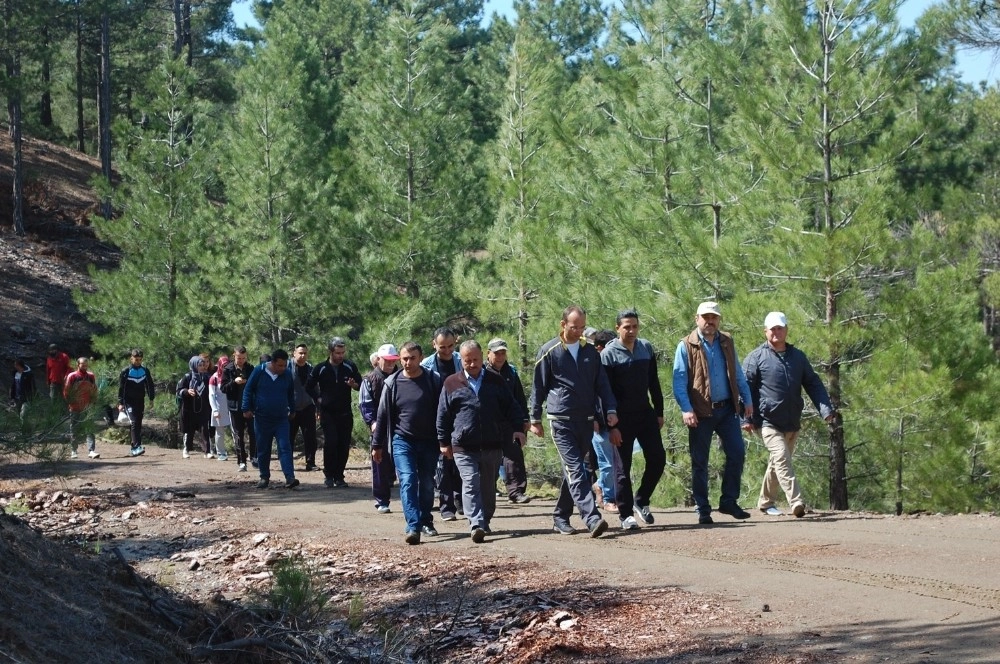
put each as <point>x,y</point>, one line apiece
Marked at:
<point>219,403</point>
<point>196,411</point>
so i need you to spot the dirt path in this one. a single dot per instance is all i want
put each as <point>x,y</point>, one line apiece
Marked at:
<point>865,588</point>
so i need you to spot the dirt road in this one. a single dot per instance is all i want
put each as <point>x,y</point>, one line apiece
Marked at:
<point>864,588</point>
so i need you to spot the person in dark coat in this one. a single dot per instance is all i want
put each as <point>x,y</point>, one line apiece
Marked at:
<point>196,411</point>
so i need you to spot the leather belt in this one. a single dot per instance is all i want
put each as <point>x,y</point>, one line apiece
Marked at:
<point>718,405</point>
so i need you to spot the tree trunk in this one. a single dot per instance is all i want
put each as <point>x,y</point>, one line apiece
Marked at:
<point>899,468</point>
<point>45,104</point>
<point>104,103</point>
<point>13,67</point>
<point>80,138</point>
<point>177,7</point>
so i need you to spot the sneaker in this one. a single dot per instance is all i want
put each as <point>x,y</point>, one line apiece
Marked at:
<point>413,537</point>
<point>448,516</point>
<point>243,468</point>
<point>310,468</point>
<point>209,455</point>
<point>772,511</point>
<point>253,462</point>
<point>563,527</point>
<point>382,509</point>
<point>74,455</point>
<point>599,527</point>
<point>185,455</point>
<point>292,483</point>
<point>94,454</point>
<point>629,523</point>
<point>799,511</point>
<point>263,483</point>
<point>520,499</point>
<point>734,511</point>
<point>705,520</point>
<point>137,451</point>
<point>223,457</point>
<point>429,531</point>
<point>478,535</point>
<point>642,511</point>
<point>340,484</point>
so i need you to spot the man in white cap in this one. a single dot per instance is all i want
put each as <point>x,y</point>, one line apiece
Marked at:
<point>709,386</point>
<point>383,471</point>
<point>777,372</point>
<point>515,473</point>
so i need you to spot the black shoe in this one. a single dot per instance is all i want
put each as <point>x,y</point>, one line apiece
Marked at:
<point>705,520</point>
<point>642,511</point>
<point>329,483</point>
<point>598,528</point>
<point>413,537</point>
<point>478,535</point>
<point>292,483</point>
<point>520,499</point>
<point>339,484</point>
<point>429,531</point>
<point>263,483</point>
<point>734,511</point>
<point>254,463</point>
<point>310,467</point>
<point>448,516</point>
<point>563,527</point>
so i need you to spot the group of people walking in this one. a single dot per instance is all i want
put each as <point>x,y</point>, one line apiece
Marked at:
<point>448,424</point>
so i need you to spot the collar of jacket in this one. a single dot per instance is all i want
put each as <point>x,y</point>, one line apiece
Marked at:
<point>583,341</point>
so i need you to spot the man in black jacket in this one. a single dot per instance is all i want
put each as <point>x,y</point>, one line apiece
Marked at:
<point>515,473</point>
<point>777,372</point>
<point>335,377</point>
<point>135,383</point>
<point>234,381</point>
<point>22,386</point>
<point>304,417</point>
<point>475,411</point>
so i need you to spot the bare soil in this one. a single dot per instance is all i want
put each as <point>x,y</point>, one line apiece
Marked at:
<point>827,587</point>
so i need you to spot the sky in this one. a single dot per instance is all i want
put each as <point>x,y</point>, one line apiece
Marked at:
<point>974,66</point>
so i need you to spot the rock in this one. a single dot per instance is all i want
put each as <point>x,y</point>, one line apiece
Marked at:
<point>194,564</point>
<point>260,537</point>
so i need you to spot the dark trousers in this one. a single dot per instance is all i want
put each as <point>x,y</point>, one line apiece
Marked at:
<point>337,429</point>
<point>242,430</point>
<point>449,486</point>
<point>725,423</point>
<point>572,439</point>
<point>383,477</point>
<point>135,413</point>
<point>515,474</point>
<point>305,419</point>
<point>644,428</point>
<point>191,425</point>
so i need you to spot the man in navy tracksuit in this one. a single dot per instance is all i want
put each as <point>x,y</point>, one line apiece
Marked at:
<point>334,378</point>
<point>475,412</point>
<point>134,384</point>
<point>269,398</point>
<point>631,366</point>
<point>571,382</point>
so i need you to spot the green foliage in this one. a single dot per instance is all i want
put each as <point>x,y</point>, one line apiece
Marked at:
<point>296,592</point>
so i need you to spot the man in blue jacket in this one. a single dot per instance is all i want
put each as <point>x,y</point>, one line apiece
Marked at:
<point>269,399</point>
<point>570,381</point>
<point>777,372</point>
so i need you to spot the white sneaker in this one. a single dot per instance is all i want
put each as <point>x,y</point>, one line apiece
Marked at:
<point>74,455</point>
<point>243,468</point>
<point>185,454</point>
<point>94,454</point>
<point>138,451</point>
<point>629,523</point>
<point>223,457</point>
<point>209,456</point>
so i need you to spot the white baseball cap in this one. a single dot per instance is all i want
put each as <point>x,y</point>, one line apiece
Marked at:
<point>387,352</point>
<point>708,308</point>
<point>775,319</point>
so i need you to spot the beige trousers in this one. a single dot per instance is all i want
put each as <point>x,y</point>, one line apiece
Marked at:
<point>779,474</point>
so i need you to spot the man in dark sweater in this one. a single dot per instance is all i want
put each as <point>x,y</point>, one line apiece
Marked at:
<point>135,383</point>
<point>234,380</point>
<point>444,362</point>
<point>406,428</point>
<point>334,378</point>
<point>476,410</point>
<point>304,417</point>
<point>631,366</point>
<point>269,398</point>
<point>515,473</point>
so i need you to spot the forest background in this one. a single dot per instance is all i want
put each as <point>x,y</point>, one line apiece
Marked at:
<point>375,170</point>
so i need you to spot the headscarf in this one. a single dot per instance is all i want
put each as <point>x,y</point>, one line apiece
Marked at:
<point>198,378</point>
<point>216,378</point>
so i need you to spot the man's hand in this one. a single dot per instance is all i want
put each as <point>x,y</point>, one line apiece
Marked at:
<point>612,420</point>
<point>520,439</point>
<point>248,415</point>
<point>239,380</point>
<point>377,454</point>
<point>446,452</point>
<point>690,419</point>
<point>748,427</point>
<point>659,422</point>
<point>615,437</point>
<point>747,411</point>
<point>374,426</point>
<point>536,428</point>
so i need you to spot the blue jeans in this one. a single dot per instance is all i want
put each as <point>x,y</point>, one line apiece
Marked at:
<point>605,466</point>
<point>725,423</point>
<point>415,462</point>
<point>266,429</point>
